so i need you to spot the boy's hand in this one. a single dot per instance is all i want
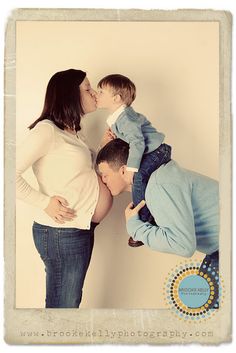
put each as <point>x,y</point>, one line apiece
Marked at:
<point>107,137</point>
<point>111,134</point>
<point>131,211</point>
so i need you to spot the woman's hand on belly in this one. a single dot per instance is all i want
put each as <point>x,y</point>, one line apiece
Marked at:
<point>104,203</point>
<point>57,209</point>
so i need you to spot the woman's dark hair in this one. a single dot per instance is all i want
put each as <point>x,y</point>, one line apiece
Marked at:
<point>62,103</point>
<point>115,153</point>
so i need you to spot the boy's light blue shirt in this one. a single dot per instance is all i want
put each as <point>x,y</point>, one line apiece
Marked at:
<point>137,131</point>
<point>185,206</point>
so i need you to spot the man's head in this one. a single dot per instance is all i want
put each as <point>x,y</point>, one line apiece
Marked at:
<point>111,161</point>
<point>115,90</point>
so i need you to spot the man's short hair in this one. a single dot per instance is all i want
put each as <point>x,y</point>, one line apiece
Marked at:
<point>121,85</point>
<point>115,153</point>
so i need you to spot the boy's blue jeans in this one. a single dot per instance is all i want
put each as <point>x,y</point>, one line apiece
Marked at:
<point>66,253</point>
<point>149,163</point>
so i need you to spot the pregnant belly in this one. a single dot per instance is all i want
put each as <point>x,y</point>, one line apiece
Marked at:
<point>104,202</point>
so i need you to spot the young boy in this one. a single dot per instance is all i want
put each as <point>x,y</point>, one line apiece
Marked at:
<point>146,149</point>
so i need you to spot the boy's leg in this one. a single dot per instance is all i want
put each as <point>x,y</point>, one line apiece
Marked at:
<point>150,162</point>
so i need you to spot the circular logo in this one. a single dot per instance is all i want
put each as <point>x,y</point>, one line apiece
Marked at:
<point>193,292</point>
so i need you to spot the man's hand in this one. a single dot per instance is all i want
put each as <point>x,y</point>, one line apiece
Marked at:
<point>130,210</point>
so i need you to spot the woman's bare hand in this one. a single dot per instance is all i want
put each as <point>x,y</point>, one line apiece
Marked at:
<point>59,211</point>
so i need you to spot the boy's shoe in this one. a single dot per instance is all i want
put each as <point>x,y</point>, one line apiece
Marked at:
<point>134,243</point>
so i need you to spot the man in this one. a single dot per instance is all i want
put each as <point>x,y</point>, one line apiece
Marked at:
<point>184,204</point>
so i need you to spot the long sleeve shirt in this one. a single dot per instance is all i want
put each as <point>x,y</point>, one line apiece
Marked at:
<point>185,206</point>
<point>63,167</point>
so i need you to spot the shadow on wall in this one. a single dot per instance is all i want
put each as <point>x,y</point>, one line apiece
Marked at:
<point>110,260</point>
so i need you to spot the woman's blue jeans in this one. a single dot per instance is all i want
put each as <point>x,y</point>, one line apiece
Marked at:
<point>66,253</point>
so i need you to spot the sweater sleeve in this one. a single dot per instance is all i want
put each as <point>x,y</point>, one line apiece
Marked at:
<point>35,146</point>
<point>133,134</point>
<point>175,230</point>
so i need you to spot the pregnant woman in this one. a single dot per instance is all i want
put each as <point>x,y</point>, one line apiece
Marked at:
<point>71,199</point>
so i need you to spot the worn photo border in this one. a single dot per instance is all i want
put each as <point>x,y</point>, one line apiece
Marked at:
<point>117,326</point>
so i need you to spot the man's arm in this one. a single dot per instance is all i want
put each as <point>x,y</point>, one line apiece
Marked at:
<point>171,208</point>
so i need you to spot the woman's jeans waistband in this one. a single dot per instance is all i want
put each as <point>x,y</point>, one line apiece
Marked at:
<point>93,225</point>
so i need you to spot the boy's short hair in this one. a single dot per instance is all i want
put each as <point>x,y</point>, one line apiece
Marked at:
<point>115,153</point>
<point>121,85</point>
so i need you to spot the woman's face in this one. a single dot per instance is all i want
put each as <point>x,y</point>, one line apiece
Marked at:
<point>87,97</point>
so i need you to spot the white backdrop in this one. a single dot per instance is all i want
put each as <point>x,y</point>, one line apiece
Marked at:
<point>176,70</point>
<point>167,4</point>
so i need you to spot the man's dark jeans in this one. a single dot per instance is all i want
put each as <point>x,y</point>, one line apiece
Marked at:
<point>209,264</point>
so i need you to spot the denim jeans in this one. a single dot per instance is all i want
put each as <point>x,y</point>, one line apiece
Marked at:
<point>66,254</point>
<point>149,163</point>
<point>209,264</point>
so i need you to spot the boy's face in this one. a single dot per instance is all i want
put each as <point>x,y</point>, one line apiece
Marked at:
<point>105,98</point>
<point>114,179</point>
